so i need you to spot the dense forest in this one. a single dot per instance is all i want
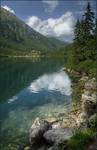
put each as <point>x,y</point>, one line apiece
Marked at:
<point>81,55</point>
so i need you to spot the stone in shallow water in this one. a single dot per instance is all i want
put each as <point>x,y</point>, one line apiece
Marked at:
<point>27,148</point>
<point>52,120</point>
<point>57,136</point>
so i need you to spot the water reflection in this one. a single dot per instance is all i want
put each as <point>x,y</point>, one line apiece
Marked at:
<point>12,99</point>
<point>28,90</point>
<point>58,81</point>
<point>16,74</point>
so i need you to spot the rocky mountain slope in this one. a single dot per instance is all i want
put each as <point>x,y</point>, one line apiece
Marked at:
<point>16,37</point>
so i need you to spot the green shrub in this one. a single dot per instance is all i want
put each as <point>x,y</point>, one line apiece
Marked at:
<point>88,66</point>
<point>80,139</point>
<point>93,122</point>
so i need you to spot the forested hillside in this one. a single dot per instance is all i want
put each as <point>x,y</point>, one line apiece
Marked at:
<point>82,54</point>
<point>17,38</point>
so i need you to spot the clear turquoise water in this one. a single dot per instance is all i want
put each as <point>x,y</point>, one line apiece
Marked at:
<point>30,89</point>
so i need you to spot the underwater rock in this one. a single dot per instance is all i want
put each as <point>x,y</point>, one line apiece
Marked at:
<point>27,148</point>
<point>52,120</point>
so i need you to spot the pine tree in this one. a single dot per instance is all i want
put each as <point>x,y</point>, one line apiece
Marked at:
<point>95,30</point>
<point>82,33</point>
<point>77,31</point>
<point>84,36</point>
<point>88,22</point>
<point>79,40</point>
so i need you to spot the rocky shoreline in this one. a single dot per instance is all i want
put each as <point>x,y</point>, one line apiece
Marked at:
<point>53,133</point>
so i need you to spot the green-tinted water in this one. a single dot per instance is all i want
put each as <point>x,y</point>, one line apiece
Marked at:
<point>30,89</point>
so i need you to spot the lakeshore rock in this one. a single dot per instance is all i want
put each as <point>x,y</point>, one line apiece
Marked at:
<point>88,100</point>
<point>57,136</point>
<point>79,116</point>
<point>38,128</point>
<point>91,84</point>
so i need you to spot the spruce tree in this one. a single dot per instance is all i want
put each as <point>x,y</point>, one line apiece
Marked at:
<point>77,31</point>
<point>88,22</point>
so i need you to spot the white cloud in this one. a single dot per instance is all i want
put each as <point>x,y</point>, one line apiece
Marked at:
<point>61,27</point>
<point>8,9</point>
<point>53,82</point>
<point>50,5</point>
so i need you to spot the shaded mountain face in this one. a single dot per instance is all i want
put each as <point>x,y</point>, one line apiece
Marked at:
<point>16,37</point>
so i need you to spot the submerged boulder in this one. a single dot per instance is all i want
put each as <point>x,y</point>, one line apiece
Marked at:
<point>27,148</point>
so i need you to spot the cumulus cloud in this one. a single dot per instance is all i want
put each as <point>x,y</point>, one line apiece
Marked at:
<point>50,5</point>
<point>53,82</point>
<point>61,27</point>
<point>8,9</point>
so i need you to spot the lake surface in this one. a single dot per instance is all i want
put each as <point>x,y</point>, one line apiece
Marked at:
<point>29,89</point>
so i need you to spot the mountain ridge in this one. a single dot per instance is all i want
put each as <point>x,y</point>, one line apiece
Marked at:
<point>16,37</point>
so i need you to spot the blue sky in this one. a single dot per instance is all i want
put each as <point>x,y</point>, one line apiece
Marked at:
<point>49,17</point>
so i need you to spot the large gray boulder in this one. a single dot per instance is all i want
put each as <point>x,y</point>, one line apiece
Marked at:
<point>57,136</point>
<point>38,128</point>
<point>91,84</point>
<point>89,103</point>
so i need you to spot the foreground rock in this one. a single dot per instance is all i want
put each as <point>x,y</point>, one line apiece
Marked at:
<point>57,136</point>
<point>38,128</point>
<point>44,135</point>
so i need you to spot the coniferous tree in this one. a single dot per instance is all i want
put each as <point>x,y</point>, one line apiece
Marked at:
<point>83,53</point>
<point>95,30</point>
<point>77,31</point>
<point>88,21</point>
<point>84,35</point>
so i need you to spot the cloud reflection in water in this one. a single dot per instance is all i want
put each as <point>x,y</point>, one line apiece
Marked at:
<point>58,81</point>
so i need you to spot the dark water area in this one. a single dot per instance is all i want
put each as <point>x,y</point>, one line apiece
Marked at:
<point>29,89</point>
